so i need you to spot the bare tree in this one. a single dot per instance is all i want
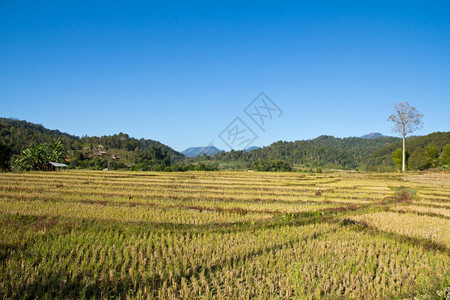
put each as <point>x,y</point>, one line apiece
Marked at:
<point>406,120</point>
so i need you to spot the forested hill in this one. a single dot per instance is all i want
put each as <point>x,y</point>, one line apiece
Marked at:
<point>348,153</point>
<point>324,151</point>
<point>120,151</point>
<point>381,158</point>
<point>19,135</point>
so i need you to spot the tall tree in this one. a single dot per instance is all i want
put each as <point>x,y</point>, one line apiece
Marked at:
<point>445,158</point>
<point>432,155</point>
<point>406,120</point>
<point>419,159</point>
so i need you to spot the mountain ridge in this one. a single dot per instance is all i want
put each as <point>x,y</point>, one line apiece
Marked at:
<point>368,152</point>
<point>195,151</point>
<point>20,134</point>
<point>372,135</point>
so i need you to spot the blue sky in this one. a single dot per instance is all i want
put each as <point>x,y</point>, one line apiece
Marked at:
<point>180,72</point>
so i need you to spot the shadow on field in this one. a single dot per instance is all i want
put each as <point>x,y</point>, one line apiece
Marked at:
<point>424,243</point>
<point>6,250</point>
<point>60,284</point>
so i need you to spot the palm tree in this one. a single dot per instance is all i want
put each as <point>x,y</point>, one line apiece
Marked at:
<point>37,156</point>
<point>32,158</point>
<point>57,151</point>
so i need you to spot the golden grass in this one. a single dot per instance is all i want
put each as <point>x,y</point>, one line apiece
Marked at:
<point>440,211</point>
<point>412,225</point>
<point>222,235</point>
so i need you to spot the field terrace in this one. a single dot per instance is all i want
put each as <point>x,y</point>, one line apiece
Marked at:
<point>224,235</point>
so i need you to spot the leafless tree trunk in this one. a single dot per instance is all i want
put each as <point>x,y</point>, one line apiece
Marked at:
<point>406,120</point>
<point>404,155</point>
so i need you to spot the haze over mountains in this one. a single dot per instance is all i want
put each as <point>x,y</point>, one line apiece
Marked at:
<point>208,150</point>
<point>194,151</point>
<point>372,135</point>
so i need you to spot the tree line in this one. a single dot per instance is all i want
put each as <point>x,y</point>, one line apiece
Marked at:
<point>423,158</point>
<point>121,151</point>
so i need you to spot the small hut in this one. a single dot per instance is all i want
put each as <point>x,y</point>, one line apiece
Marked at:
<point>51,166</point>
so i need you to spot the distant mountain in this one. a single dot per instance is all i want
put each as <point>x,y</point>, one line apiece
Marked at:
<point>372,135</point>
<point>194,151</point>
<point>251,148</point>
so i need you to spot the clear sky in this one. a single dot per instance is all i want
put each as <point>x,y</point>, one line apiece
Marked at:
<point>181,72</point>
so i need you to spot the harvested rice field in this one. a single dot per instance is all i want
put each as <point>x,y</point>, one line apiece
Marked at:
<point>224,235</point>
